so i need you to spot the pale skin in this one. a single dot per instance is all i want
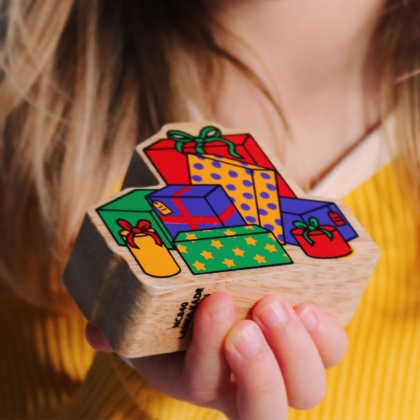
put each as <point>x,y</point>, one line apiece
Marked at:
<point>311,54</point>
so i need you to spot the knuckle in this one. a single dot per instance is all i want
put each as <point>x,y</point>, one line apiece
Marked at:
<point>266,390</point>
<point>200,394</point>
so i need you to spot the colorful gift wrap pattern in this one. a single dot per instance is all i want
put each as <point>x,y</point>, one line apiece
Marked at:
<point>148,249</point>
<point>194,207</point>
<point>226,208</point>
<point>320,241</point>
<point>169,156</point>
<point>229,249</point>
<point>252,188</point>
<point>132,207</point>
<point>297,209</point>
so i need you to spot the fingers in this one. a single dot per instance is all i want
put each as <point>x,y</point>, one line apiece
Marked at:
<point>260,390</point>
<point>161,371</point>
<point>277,359</point>
<point>206,372</point>
<point>300,363</point>
<point>329,338</point>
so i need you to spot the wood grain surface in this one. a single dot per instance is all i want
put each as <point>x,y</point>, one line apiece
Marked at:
<point>142,315</point>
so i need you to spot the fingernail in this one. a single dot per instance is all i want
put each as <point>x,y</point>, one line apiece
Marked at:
<point>273,315</point>
<point>223,313</point>
<point>249,341</point>
<point>309,319</point>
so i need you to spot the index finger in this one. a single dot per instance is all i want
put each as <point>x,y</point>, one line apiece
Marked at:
<point>260,389</point>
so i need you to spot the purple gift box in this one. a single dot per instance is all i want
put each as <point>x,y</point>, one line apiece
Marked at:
<point>296,209</point>
<point>194,207</point>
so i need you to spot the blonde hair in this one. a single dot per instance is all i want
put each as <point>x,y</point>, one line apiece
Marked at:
<point>83,81</point>
<point>395,59</point>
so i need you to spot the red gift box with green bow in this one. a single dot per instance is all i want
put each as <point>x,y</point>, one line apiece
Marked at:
<point>320,241</point>
<point>169,156</point>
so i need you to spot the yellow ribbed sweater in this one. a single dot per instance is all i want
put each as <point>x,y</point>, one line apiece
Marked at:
<point>48,371</point>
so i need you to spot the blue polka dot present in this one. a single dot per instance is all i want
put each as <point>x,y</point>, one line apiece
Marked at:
<point>194,207</point>
<point>169,155</point>
<point>252,188</point>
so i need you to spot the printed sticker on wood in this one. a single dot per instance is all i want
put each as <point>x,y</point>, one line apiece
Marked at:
<point>207,210</point>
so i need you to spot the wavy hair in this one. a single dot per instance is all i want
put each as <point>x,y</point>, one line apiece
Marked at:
<point>83,81</point>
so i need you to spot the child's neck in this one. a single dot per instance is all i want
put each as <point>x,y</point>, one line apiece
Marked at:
<point>312,56</point>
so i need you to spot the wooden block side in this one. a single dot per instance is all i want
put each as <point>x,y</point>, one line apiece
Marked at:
<point>103,285</point>
<point>152,328</point>
<point>87,267</point>
<point>139,174</point>
<point>122,301</point>
<point>164,324</point>
<point>158,327</point>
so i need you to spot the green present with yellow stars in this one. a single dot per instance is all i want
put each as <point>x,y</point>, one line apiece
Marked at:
<point>228,249</point>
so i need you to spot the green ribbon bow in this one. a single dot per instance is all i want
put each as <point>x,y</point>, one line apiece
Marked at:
<point>207,134</point>
<point>313,226</point>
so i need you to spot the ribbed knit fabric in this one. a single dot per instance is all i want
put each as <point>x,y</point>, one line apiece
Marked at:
<point>380,375</point>
<point>48,371</point>
<point>43,357</point>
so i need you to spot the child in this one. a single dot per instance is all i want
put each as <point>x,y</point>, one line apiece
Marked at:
<point>83,81</point>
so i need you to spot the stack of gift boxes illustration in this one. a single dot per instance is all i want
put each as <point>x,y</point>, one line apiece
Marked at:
<point>225,207</point>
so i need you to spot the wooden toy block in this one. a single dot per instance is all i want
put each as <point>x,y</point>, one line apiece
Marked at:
<point>208,210</point>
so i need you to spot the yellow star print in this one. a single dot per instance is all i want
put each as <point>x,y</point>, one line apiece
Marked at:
<point>199,266</point>
<point>238,252</point>
<point>249,227</point>
<point>207,255</point>
<point>270,235</point>
<point>182,249</point>
<point>270,248</point>
<point>216,244</point>
<point>250,241</point>
<point>229,263</point>
<point>229,232</point>
<point>190,236</point>
<point>260,259</point>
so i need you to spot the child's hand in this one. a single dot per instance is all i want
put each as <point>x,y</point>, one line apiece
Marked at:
<point>250,369</point>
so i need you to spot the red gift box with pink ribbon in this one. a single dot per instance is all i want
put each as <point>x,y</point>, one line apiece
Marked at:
<point>174,149</point>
